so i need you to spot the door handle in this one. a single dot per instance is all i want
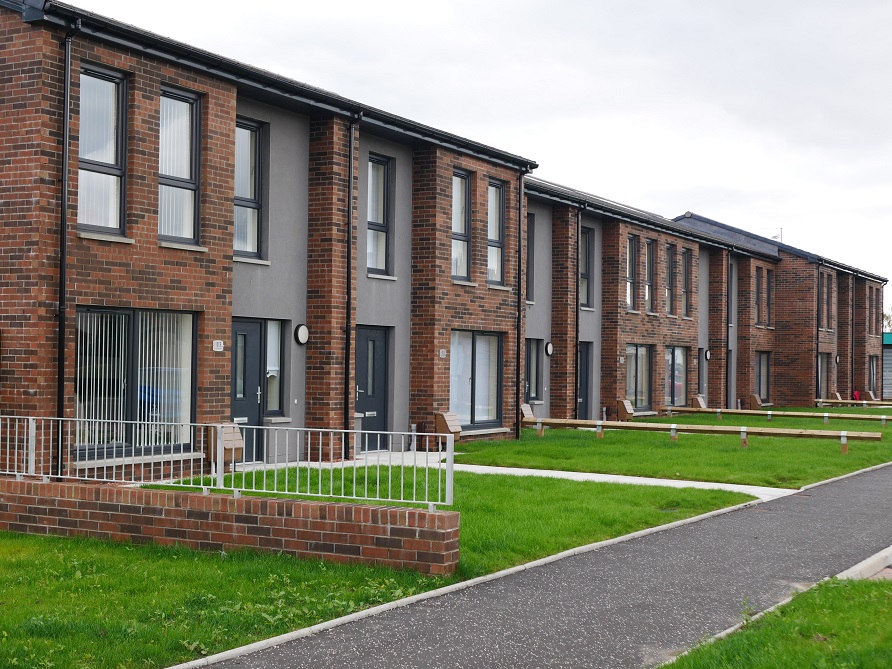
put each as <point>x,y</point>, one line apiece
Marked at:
<point>258,394</point>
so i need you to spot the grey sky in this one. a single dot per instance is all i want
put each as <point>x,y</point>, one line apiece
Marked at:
<point>760,114</point>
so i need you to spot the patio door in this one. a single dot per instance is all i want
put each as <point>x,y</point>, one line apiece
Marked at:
<point>583,403</point>
<point>247,394</point>
<point>371,384</point>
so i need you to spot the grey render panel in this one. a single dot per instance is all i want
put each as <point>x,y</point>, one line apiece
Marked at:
<point>387,302</point>
<point>703,316</point>
<point>887,372</point>
<point>278,291</point>
<point>538,312</point>
<point>590,318</point>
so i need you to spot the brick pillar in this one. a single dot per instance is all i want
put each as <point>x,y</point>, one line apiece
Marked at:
<point>718,327</point>
<point>564,287</point>
<point>746,318</point>
<point>844,337</point>
<point>327,278</point>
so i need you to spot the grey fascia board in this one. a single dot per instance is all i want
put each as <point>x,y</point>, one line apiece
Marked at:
<point>13,5</point>
<point>250,78</point>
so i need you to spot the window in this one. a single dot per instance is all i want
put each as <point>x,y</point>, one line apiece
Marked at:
<point>632,273</point>
<point>461,227</point>
<point>585,267</point>
<point>649,275</point>
<point>670,279</point>
<point>133,366</point>
<point>534,370</point>
<point>248,210</point>
<point>763,375</point>
<point>769,287</point>
<point>495,234</point>
<point>273,376</point>
<point>686,277</point>
<point>874,313</point>
<point>676,376</point>
<point>638,375</point>
<point>758,296</point>
<point>378,233</point>
<point>531,256</point>
<point>178,167</point>
<point>101,152</point>
<point>873,363</point>
<point>475,378</point>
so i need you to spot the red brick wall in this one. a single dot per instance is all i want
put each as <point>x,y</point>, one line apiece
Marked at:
<point>844,285</point>
<point>753,337</point>
<point>562,365</point>
<point>866,344</point>
<point>795,363</point>
<point>440,305</point>
<point>138,275</point>
<point>327,270</point>
<point>658,329</point>
<point>717,367</point>
<point>402,538</point>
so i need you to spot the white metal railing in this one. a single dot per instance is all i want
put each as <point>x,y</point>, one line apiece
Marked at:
<point>402,467</point>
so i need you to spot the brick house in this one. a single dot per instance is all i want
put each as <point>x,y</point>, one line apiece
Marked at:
<point>240,246</point>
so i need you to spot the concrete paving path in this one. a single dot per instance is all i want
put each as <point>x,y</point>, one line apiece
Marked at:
<point>630,604</point>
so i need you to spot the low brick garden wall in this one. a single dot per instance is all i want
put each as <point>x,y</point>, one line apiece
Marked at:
<point>358,533</point>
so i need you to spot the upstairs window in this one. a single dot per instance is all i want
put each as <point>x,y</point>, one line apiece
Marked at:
<point>769,287</point>
<point>495,233</point>
<point>531,257</point>
<point>759,312</point>
<point>378,214</point>
<point>632,273</point>
<point>585,267</point>
<point>670,279</point>
<point>461,227</point>
<point>101,152</point>
<point>248,208</point>
<point>686,278</point>
<point>649,275</point>
<point>178,167</point>
<point>828,299</point>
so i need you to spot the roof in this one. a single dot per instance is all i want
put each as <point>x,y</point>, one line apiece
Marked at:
<point>539,188</point>
<point>252,81</point>
<point>757,243</point>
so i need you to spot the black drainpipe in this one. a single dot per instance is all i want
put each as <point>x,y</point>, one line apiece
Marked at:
<point>63,232</point>
<point>575,286</point>
<point>521,227</point>
<point>348,328</point>
<point>818,329</point>
<point>852,339</point>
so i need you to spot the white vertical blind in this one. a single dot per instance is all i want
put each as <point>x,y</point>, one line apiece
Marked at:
<point>175,150</point>
<point>246,226</point>
<point>377,182</point>
<point>176,207</point>
<point>98,199</point>
<point>98,120</point>
<point>460,367</point>
<point>494,213</point>
<point>100,385</point>
<point>486,373</point>
<point>245,163</point>
<point>459,203</point>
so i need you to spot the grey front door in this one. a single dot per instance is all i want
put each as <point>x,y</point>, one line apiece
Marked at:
<point>371,384</point>
<point>247,398</point>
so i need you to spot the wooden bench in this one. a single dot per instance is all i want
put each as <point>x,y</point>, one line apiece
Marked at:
<point>756,403</point>
<point>447,422</point>
<point>233,444</point>
<point>698,402</point>
<point>851,403</point>
<point>673,429</point>
<point>625,411</point>
<point>770,414</point>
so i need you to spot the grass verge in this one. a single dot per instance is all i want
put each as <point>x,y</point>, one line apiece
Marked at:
<point>836,624</point>
<point>769,461</point>
<point>81,603</point>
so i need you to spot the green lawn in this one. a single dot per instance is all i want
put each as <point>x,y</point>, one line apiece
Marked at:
<point>768,461</point>
<point>81,603</point>
<point>843,624</point>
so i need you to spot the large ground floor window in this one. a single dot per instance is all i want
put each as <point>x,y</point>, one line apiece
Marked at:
<point>676,376</point>
<point>873,364</point>
<point>133,366</point>
<point>823,376</point>
<point>534,370</point>
<point>475,378</point>
<point>763,375</point>
<point>639,366</point>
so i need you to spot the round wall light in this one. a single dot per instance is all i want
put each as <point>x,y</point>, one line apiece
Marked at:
<point>837,358</point>
<point>549,348</point>
<point>301,334</point>
<point>707,354</point>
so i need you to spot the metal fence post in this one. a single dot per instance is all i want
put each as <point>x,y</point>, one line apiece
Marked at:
<point>221,459</point>
<point>450,466</point>
<point>32,446</point>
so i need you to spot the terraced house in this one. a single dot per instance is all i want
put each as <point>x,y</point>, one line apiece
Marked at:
<point>187,240</point>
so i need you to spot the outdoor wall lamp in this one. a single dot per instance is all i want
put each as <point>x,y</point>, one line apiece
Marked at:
<point>301,334</point>
<point>549,348</point>
<point>707,354</point>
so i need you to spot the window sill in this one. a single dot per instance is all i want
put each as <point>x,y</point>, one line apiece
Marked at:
<point>104,237</point>
<point>459,282</point>
<point>687,318</point>
<point>633,311</point>
<point>672,316</point>
<point>493,286</point>
<point>137,460</point>
<point>530,303</point>
<point>183,247</point>
<point>484,431</point>
<point>251,261</point>
<point>592,309</point>
<point>381,277</point>
<point>651,313</point>
<point>276,420</point>
<point>534,403</point>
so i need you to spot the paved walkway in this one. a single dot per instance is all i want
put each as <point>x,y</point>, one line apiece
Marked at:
<point>629,604</point>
